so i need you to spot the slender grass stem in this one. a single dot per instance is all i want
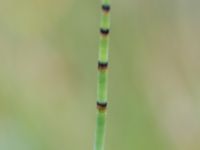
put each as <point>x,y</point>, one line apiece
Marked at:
<point>102,75</point>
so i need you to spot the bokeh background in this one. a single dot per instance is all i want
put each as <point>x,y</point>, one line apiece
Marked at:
<point>48,61</point>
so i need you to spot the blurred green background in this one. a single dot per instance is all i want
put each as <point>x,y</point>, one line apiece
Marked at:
<point>48,61</point>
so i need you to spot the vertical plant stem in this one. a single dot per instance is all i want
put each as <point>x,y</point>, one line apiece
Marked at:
<point>102,76</point>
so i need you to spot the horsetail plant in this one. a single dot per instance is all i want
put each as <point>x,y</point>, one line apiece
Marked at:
<point>102,75</point>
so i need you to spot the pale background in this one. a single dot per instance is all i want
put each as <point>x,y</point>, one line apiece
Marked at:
<point>48,60</point>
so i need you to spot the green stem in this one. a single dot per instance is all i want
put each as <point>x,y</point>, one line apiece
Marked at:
<point>102,76</point>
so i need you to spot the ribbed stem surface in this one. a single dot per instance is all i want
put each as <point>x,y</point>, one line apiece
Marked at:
<point>102,75</point>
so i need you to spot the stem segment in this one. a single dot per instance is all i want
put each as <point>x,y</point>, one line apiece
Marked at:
<point>102,75</point>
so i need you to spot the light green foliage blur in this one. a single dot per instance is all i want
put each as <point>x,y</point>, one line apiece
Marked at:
<point>48,60</point>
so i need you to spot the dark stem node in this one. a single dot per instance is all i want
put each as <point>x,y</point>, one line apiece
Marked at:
<point>101,106</point>
<point>106,8</point>
<point>104,31</point>
<point>102,65</point>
